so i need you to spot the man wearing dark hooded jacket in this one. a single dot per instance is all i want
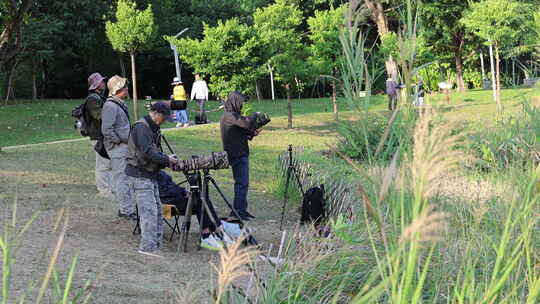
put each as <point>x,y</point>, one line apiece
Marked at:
<point>236,131</point>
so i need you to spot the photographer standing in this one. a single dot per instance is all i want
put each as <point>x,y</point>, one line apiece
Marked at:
<point>144,161</point>
<point>236,130</point>
<point>94,106</point>
<point>115,127</point>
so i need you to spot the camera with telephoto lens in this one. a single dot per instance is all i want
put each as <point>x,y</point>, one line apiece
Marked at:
<point>261,119</point>
<point>213,161</point>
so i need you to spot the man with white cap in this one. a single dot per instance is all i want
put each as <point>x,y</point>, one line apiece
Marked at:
<point>93,108</point>
<point>116,128</point>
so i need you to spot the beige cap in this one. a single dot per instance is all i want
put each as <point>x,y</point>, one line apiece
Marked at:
<point>115,83</point>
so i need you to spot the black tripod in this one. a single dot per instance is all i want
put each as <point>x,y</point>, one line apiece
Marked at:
<point>200,192</point>
<point>291,170</point>
<point>199,187</point>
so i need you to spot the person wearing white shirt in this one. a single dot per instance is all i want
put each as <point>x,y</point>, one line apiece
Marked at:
<point>199,92</point>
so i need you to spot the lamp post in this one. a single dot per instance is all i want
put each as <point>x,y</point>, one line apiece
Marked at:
<point>175,53</point>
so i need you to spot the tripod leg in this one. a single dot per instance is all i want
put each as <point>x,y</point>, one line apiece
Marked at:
<point>298,181</point>
<point>225,199</point>
<point>285,197</point>
<point>250,239</point>
<point>186,223</point>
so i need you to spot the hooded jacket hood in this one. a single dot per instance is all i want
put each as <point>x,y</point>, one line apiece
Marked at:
<point>234,102</point>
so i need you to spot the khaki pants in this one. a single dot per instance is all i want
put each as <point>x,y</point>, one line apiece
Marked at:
<point>103,173</point>
<point>121,188</point>
<point>150,213</point>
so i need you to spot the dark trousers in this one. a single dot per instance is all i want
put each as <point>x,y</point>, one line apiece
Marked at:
<point>201,103</point>
<point>240,168</point>
<point>392,102</point>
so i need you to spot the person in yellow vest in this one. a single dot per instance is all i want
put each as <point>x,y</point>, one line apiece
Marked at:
<point>179,94</point>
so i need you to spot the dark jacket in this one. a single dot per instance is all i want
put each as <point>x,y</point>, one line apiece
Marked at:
<point>169,192</point>
<point>144,157</point>
<point>236,129</point>
<point>94,105</point>
<point>391,87</point>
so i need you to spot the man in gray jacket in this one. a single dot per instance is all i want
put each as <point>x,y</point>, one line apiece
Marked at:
<point>115,127</point>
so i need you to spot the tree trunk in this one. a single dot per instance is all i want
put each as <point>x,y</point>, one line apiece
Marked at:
<point>493,82</point>
<point>334,100</point>
<point>122,65</point>
<point>11,84</point>
<point>134,80</point>
<point>459,70</point>
<point>34,80</point>
<point>498,72</point>
<point>258,91</point>
<point>377,15</point>
<point>272,80</point>
<point>289,106</point>
<point>483,70</point>
<point>514,82</point>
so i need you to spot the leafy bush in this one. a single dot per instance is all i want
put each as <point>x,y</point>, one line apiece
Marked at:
<point>376,137</point>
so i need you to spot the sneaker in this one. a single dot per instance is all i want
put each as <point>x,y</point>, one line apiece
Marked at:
<point>249,215</point>
<point>131,216</point>
<point>178,125</point>
<point>232,229</point>
<point>154,254</point>
<point>186,125</point>
<point>211,243</point>
<point>226,239</point>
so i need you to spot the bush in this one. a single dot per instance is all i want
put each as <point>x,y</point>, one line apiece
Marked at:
<point>361,139</point>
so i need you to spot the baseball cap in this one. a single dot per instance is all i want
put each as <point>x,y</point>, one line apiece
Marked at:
<point>162,108</point>
<point>115,83</point>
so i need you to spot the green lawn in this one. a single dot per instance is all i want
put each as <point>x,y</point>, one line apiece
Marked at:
<point>29,122</point>
<point>50,120</point>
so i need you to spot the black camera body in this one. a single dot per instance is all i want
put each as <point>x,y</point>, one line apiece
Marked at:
<point>261,119</point>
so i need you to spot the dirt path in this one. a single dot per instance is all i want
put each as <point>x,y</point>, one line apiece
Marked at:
<point>47,178</point>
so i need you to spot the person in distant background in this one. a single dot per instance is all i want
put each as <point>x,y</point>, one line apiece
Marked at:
<point>420,94</point>
<point>199,92</point>
<point>391,91</point>
<point>179,94</point>
<point>94,106</point>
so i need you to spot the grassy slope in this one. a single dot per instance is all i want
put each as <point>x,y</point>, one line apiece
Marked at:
<point>35,122</point>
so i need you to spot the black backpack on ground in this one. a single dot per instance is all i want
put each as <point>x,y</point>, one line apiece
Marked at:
<point>313,206</point>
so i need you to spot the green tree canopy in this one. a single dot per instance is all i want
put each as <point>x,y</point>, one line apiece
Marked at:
<point>227,54</point>
<point>276,26</point>
<point>132,30</point>
<point>325,50</point>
